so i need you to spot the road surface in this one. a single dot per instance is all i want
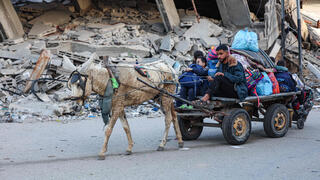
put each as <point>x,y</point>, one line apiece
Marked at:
<point>54,150</point>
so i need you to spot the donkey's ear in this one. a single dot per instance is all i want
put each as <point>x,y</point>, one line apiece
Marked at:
<point>84,67</point>
<point>67,64</point>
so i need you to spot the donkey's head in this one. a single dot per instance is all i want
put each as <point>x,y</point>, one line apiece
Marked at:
<point>79,82</point>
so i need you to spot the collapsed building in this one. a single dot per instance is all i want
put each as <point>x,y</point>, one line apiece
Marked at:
<point>36,34</point>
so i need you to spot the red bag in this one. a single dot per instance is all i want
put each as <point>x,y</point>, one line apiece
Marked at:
<point>275,84</point>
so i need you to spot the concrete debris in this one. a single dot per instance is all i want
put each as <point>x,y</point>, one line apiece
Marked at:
<point>53,17</point>
<point>183,46</point>
<point>40,30</point>
<point>158,27</point>
<point>167,43</point>
<point>204,29</point>
<point>275,49</point>
<point>208,42</point>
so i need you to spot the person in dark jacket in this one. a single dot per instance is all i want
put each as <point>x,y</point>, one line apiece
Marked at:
<point>229,79</point>
<point>198,88</point>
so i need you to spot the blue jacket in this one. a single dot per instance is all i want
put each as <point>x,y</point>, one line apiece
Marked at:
<point>235,73</point>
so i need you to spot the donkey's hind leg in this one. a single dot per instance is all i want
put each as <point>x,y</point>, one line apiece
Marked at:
<point>126,128</point>
<point>168,119</point>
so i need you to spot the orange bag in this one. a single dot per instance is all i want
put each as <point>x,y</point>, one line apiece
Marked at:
<point>275,84</point>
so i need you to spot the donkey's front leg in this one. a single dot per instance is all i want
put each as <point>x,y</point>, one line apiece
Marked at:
<point>126,128</point>
<point>112,122</point>
<point>168,120</point>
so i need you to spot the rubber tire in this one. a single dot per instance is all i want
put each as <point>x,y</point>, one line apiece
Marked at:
<point>300,124</point>
<point>227,126</point>
<point>268,121</point>
<point>192,134</point>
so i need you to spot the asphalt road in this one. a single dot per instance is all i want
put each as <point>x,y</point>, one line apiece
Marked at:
<point>53,150</point>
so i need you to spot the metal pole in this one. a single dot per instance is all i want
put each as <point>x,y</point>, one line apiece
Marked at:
<point>299,38</point>
<point>283,33</point>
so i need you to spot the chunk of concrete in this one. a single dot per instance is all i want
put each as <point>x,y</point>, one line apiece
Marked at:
<point>314,70</point>
<point>167,43</point>
<point>24,45</point>
<point>183,46</point>
<point>111,50</point>
<point>40,30</point>
<point>84,35</point>
<point>103,28</point>
<point>158,27</point>
<point>53,17</point>
<point>275,49</point>
<point>208,42</point>
<point>205,28</point>
<point>167,59</point>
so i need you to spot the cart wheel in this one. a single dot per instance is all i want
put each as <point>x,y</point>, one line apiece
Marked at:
<point>236,126</point>
<point>276,121</point>
<point>188,131</point>
<point>300,124</point>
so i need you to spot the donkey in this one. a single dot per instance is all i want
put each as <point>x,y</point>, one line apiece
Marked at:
<point>94,78</point>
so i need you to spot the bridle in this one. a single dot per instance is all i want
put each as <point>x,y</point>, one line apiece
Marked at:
<point>74,77</point>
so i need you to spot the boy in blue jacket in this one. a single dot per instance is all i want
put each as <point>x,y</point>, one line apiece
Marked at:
<point>193,81</point>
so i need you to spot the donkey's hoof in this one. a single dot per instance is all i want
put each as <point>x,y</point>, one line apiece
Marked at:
<point>181,144</point>
<point>128,152</point>
<point>101,157</point>
<point>160,148</point>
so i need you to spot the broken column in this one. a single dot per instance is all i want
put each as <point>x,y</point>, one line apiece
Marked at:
<point>9,21</point>
<point>234,13</point>
<point>84,5</point>
<point>168,13</point>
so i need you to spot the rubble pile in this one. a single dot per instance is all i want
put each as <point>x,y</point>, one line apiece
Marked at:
<point>123,31</point>
<point>128,32</point>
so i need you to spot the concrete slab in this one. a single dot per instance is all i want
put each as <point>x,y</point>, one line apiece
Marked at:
<point>53,17</point>
<point>158,27</point>
<point>205,28</point>
<point>84,35</point>
<point>40,30</point>
<point>315,70</point>
<point>183,46</point>
<point>167,59</point>
<point>112,51</point>
<point>103,28</point>
<point>24,45</point>
<point>275,49</point>
<point>167,43</point>
<point>208,42</point>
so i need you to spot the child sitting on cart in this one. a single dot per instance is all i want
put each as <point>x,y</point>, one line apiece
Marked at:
<point>193,82</point>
